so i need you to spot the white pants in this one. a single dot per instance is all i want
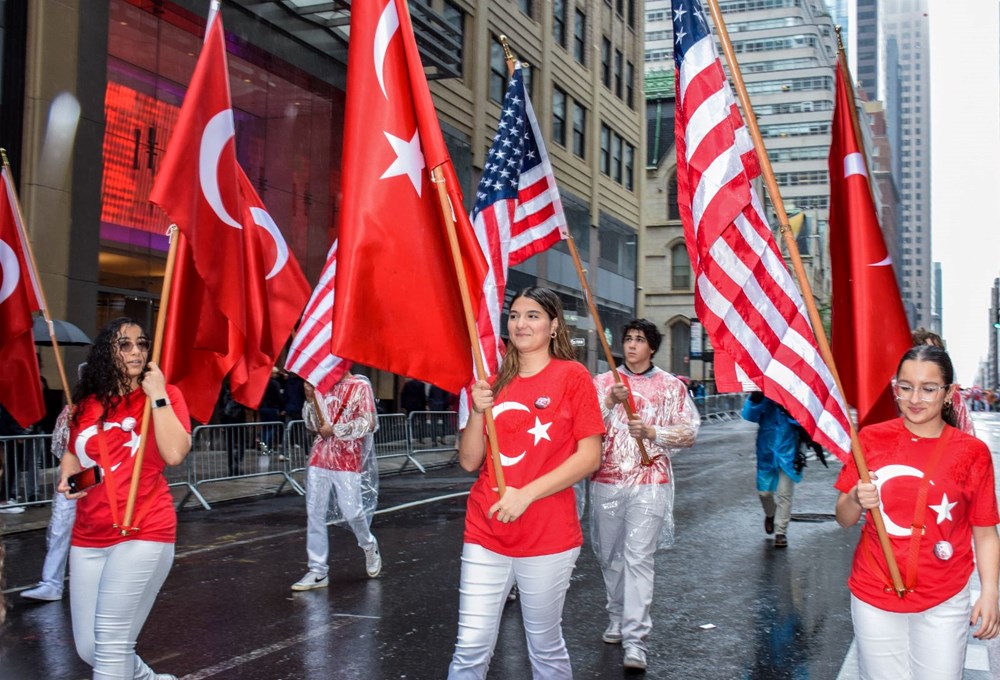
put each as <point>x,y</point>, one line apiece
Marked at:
<point>929,645</point>
<point>781,510</point>
<point>626,526</point>
<point>57,539</point>
<point>320,483</point>
<point>111,593</point>
<point>542,583</point>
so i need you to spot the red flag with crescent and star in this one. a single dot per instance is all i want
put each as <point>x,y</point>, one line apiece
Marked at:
<point>869,329</point>
<point>20,382</point>
<point>237,289</point>
<point>398,306</point>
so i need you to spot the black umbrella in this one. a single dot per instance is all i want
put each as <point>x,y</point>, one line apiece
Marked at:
<point>66,333</point>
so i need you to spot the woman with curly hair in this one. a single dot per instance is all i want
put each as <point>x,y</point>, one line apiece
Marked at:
<point>114,578</point>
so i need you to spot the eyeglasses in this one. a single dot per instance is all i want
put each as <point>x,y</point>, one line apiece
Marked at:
<point>125,345</point>
<point>927,393</point>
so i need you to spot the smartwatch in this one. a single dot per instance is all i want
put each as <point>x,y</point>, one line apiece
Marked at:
<point>161,402</point>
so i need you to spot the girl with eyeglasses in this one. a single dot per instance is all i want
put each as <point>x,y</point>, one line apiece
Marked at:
<point>934,485</point>
<point>114,579</point>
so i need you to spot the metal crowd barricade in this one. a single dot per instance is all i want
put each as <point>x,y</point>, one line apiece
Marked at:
<point>27,470</point>
<point>434,432</point>
<point>392,440</point>
<point>297,445</point>
<point>721,407</point>
<point>225,453</point>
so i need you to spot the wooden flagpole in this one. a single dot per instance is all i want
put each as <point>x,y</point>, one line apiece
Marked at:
<point>800,274</point>
<point>447,213</point>
<point>581,273</point>
<point>147,410</point>
<point>41,292</point>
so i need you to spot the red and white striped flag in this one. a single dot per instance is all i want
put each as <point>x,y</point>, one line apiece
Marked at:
<point>309,356</point>
<point>744,295</point>
<point>518,213</point>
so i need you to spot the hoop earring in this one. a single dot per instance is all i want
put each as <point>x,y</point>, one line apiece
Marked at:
<point>553,335</point>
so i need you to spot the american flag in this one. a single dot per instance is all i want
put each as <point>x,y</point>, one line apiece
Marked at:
<point>309,356</point>
<point>517,213</point>
<point>744,294</point>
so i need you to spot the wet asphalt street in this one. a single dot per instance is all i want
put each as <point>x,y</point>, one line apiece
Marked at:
<point>227,612</point>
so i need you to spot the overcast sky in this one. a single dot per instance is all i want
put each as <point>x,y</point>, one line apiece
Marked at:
<point>965,162</point>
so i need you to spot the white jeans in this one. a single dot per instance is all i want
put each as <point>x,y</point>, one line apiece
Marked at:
<point>111,593</point>
<point>626,526</point>
<point>320,483</point>
<point>781,510</point>
<point>929,645</point>
<point>542,583</point>
<point>57,539</point>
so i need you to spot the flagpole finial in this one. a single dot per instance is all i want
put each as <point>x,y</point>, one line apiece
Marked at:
<point>840,38</point>
<point>3,156</point>
<point>507,53</point>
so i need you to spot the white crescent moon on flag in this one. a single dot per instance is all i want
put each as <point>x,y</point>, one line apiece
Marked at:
<point>388,24</point>
<point>263,220</point>
<point>80,446</point>
<point>217,133</point>
<point>499,409</point>
<point>884,475</point>
<point>9,269</point>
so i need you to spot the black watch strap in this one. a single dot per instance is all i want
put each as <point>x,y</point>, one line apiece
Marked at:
<point>161,402</point>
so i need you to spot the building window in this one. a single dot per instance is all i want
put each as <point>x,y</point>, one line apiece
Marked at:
<point>525,6</point>
<point>606,62</point>
<point>629,166</point>
<point>579,130</point>
<point>680,268</point>
<point>673,212</point>
<point>629,90</point>
<point>619,59</point>
<point>579,36</point>
<point>498,71</point>
<point>616,158</point>
<point>559,116</point>
<point>631,13</point>
<point>455,17</point>
<point>680,348</point>
<point>605,149</point>
<point>559,21</point>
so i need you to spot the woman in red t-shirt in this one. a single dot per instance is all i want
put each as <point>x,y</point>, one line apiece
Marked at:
<point>925,473</point>
<point>549,429</point>
<point>114,579</point>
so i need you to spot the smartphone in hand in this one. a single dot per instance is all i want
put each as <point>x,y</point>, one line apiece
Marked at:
<point>84,479</point>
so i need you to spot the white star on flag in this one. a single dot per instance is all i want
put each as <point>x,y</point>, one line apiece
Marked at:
<point>943,509</point>
<point>409,159</point>
<point>540,431</point>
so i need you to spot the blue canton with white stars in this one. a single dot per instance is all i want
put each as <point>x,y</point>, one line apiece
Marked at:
<point>690,26</point>
<point>513,151</point>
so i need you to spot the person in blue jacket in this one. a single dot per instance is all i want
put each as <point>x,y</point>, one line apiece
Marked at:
<point>777,472</point>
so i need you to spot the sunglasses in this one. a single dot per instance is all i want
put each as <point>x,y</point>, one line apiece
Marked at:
<point>125,345</point>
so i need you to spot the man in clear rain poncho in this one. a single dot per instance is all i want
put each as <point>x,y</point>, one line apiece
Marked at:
<point>342,468</point>
<point>631,503</point>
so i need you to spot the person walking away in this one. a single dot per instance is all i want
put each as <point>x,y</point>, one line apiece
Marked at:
<point>777,471</point>
<point>342,468</point>
<point>631,503</point>
<point>925,473</point>
<point>549,429</point>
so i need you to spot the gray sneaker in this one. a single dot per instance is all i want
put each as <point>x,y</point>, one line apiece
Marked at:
<point>613,633</point>
<point>43,592</point>
<point>635,659</point>
<point>373,560</point>
<point>310,581</point>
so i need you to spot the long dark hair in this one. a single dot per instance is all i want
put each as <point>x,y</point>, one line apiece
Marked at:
<point>940,357</point>
<point>560,346</point>
<point>103,376</point>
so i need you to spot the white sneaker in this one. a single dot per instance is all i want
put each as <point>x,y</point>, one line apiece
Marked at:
<point>311,580</point>
<point>373,561</point>
<point>613,633</point>
<point>635,659</point>
<point>43,592</point>
<point>9,508</point>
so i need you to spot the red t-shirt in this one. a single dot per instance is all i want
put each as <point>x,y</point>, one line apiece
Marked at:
<point>539,421</point>
<point>94,524</point>
<point>960,496</point>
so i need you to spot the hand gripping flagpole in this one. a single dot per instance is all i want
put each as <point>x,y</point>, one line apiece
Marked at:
<point>147,409</point>
<point>447,213</point>
<point>803,279</point>
<point>582,274</point>
<point>41,293</point>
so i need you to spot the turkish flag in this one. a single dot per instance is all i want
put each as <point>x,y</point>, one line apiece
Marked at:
<point>20,383</point>
<point>398,306</point>
<point>237,290</point>
<point>870,332</point>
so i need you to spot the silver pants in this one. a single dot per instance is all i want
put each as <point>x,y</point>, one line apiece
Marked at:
<point>346,486</point>
<point>542,583</point>
<point>111,592</point>
<point>626,526</point>
<point>779,505</point>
